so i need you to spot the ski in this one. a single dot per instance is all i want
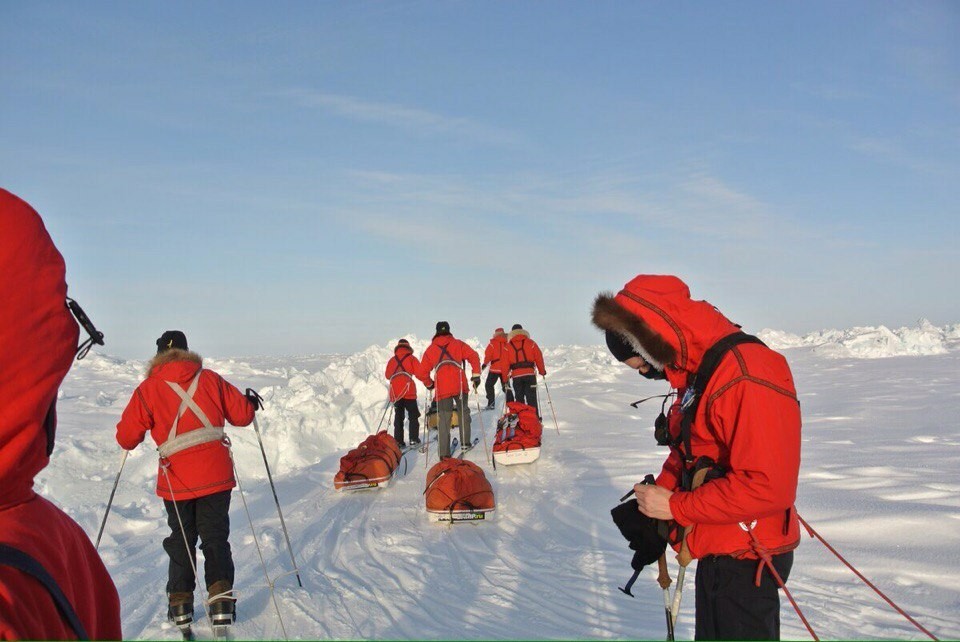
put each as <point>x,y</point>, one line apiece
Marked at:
<point>402,467</point>
<point>476,440</point>
<point>454,445</point>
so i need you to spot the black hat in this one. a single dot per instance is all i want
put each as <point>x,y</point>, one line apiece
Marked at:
<point>517,326</point>
<point>620,348</point>
<point>172,339</point>
<point>443,327</point>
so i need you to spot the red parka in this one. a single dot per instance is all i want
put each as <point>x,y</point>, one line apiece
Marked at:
<point>521,356</point>
<point>493,355</point>
<point>200,470</point>
<point>748,419</point>
<point>38,340</point>
<point>448,355</point>
<point>401,370</point>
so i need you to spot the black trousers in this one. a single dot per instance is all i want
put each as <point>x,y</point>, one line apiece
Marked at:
<point>730,606</point>
<point>492,379</point>
<point>525,390</point>
<point>409,408</point>
<point>209,518</point>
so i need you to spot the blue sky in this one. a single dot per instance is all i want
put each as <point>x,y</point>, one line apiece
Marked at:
<point>291,178</point>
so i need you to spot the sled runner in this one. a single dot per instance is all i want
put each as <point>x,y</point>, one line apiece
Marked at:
<point>458,491</point>
<point>369,465</point>
<point>518,436</point>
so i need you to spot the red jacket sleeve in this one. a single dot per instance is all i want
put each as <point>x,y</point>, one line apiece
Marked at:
<point>390,368</point>
<point>538,360</point>
<point>670,474</point>
<point>427,362</point>
<point>237,409</point>
<point>761,428</point>
<point>135,421</point>
<point>488,355</point>
<point>472,357</point>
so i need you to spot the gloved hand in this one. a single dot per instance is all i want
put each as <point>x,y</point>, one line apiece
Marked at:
<point>475,379</point>
<point>430,386</point>
<point>255,399</point>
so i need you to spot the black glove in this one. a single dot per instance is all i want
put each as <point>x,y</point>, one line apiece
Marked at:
<point>475,379</point>
<point>255,399</point>
<point>642,532</point>
<point>429,386</point>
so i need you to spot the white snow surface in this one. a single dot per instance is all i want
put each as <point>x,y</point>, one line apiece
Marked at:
<point>880,480</point>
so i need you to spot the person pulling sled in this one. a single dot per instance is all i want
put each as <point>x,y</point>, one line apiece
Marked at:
<point>522,360</point>
<point>442,367</point>
<point>185,407</point>
<point>401,368</point>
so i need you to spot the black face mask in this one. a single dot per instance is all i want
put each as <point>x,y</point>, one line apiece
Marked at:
<point>653,374</point>
<point>95,336</point>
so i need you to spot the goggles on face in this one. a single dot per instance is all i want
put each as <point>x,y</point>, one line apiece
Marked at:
<point>95,336</point>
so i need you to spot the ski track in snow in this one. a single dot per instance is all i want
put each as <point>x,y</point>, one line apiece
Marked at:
<point>880,480</point>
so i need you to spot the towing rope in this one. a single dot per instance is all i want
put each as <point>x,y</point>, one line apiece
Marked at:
<point>899,610</point>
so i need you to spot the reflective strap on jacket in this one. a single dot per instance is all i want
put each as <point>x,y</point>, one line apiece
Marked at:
<point>175,443</point>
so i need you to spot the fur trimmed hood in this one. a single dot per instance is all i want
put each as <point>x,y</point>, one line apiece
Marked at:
<point>656,315</point>
<point>518,333</point>
<point>172,355</point>
<point>608,315</point>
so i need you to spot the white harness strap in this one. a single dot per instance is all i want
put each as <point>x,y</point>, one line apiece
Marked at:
<point>175,443</point>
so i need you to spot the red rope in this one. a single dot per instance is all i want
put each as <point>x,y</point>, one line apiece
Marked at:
<point>765,559</point>
<point>815,534</point>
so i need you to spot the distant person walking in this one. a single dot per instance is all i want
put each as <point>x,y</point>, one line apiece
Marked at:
<point>522,360</point>
<point>493,357</point>
<point>443,365</point>
<point>401,369</point>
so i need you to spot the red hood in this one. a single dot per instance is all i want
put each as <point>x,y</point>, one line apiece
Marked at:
<point>399,351</point>
<point>656,314</point>
<point>38,340</point>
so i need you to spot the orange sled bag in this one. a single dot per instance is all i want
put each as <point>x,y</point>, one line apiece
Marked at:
<point>458,491</point>
<point>518,435</point>
<point>369,465</point>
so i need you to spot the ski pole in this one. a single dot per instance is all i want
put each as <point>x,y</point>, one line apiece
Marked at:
<point>123,460</point>
<point>384,415</point>
<point>550,400</point>
<point>276,500</point>
<point>483,431</point>
<point>664,580</point>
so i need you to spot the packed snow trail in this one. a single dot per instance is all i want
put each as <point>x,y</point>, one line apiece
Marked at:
<point>880,480</point>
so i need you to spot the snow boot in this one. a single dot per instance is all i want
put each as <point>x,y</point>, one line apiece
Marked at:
<point>414,443</point>
<point>223,610</point>
<point>180,609</point>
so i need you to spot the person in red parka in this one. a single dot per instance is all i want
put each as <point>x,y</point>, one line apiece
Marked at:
<point>493,357</point>
<point>401,369</point>
<point>522,360</point>
<point>745,435</point>
<point>185,407</point>
<point>38,341</point>
<point>444,364</point>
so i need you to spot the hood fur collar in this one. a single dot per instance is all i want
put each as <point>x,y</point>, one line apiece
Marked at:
<point>610,315</point>
<point>518,333</point>
<point>171,355</point>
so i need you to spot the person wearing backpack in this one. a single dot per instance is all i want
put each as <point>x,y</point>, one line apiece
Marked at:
<point>185,406</point>
<point>730,480</point>
<point>53,584</point>
<point>522,360</point>
<point>401,368</point>
<point>493,357</point>
<point>442,369</point>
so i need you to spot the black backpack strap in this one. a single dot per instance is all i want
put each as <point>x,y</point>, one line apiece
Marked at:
<point>15,558</point>
<point>691,399</point>
<point>400,361</point>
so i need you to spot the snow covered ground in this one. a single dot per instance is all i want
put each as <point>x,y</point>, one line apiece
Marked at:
<point>880,480</point>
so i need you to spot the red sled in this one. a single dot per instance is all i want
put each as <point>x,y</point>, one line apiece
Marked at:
<point>458,491</point>
<point>519,435</point>
<point>369,465</point>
